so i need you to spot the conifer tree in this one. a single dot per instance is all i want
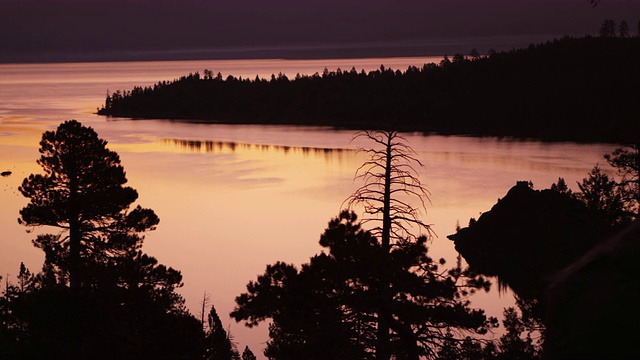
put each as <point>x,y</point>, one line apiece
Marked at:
<point>626,160</point>
<point>98,293</point>
<point>608,28</point>
<point>247,354</point>
<point>623,29</point>
<point>218,342</point>
<point>602,196</point>
<point>82,193</point>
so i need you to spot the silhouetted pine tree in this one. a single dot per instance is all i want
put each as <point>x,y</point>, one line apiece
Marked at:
<point>218,344</point>
<point>626,160</point>
<point>247,354</point>
<point>82,193</point>
<point>98,296</point>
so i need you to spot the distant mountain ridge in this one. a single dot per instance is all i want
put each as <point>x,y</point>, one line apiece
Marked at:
<point>571,89</point>
<point>313,50</point>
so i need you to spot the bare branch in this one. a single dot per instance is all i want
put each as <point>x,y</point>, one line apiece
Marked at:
<point>388,174</point>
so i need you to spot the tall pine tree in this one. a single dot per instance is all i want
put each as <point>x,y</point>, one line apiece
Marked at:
<point>82,193</point>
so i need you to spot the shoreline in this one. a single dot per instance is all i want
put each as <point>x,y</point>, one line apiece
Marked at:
<point>313,51</point>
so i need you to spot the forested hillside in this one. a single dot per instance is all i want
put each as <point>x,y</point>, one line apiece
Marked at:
<point>570,89</point>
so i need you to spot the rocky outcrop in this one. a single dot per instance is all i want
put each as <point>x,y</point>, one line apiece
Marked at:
<point>527,236</point>
<point>586,282</point>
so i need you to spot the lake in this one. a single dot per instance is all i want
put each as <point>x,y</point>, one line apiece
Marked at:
<point>232,199</point>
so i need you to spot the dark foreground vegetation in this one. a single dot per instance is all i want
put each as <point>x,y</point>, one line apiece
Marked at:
<point>374,293</point>
<point>98,296</point>
<point>578,89</point>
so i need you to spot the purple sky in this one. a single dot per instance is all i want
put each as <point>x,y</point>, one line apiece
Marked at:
<point>39,30</point>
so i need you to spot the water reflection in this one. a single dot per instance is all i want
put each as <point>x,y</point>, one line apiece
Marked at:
<point>226,147</point>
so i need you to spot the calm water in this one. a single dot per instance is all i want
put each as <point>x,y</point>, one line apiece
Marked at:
<point>233,199</point>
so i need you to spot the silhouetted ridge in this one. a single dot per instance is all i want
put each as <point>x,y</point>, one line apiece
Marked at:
<point>570,89</point>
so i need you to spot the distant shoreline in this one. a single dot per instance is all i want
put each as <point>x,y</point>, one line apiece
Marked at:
<point>390,49</point>
<point>439,56</point>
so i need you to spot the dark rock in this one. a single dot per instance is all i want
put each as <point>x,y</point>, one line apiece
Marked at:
<point>527,236</point>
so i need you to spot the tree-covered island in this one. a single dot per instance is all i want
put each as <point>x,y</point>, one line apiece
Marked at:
<point>575,89</point>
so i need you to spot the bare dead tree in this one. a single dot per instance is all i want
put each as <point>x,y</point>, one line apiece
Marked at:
<point>206,299</point>
<point>390,182</point>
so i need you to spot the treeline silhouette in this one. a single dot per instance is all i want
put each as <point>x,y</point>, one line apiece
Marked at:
<point>578,89</point>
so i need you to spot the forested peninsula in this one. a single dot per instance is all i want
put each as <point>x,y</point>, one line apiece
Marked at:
<point>570,89</point>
